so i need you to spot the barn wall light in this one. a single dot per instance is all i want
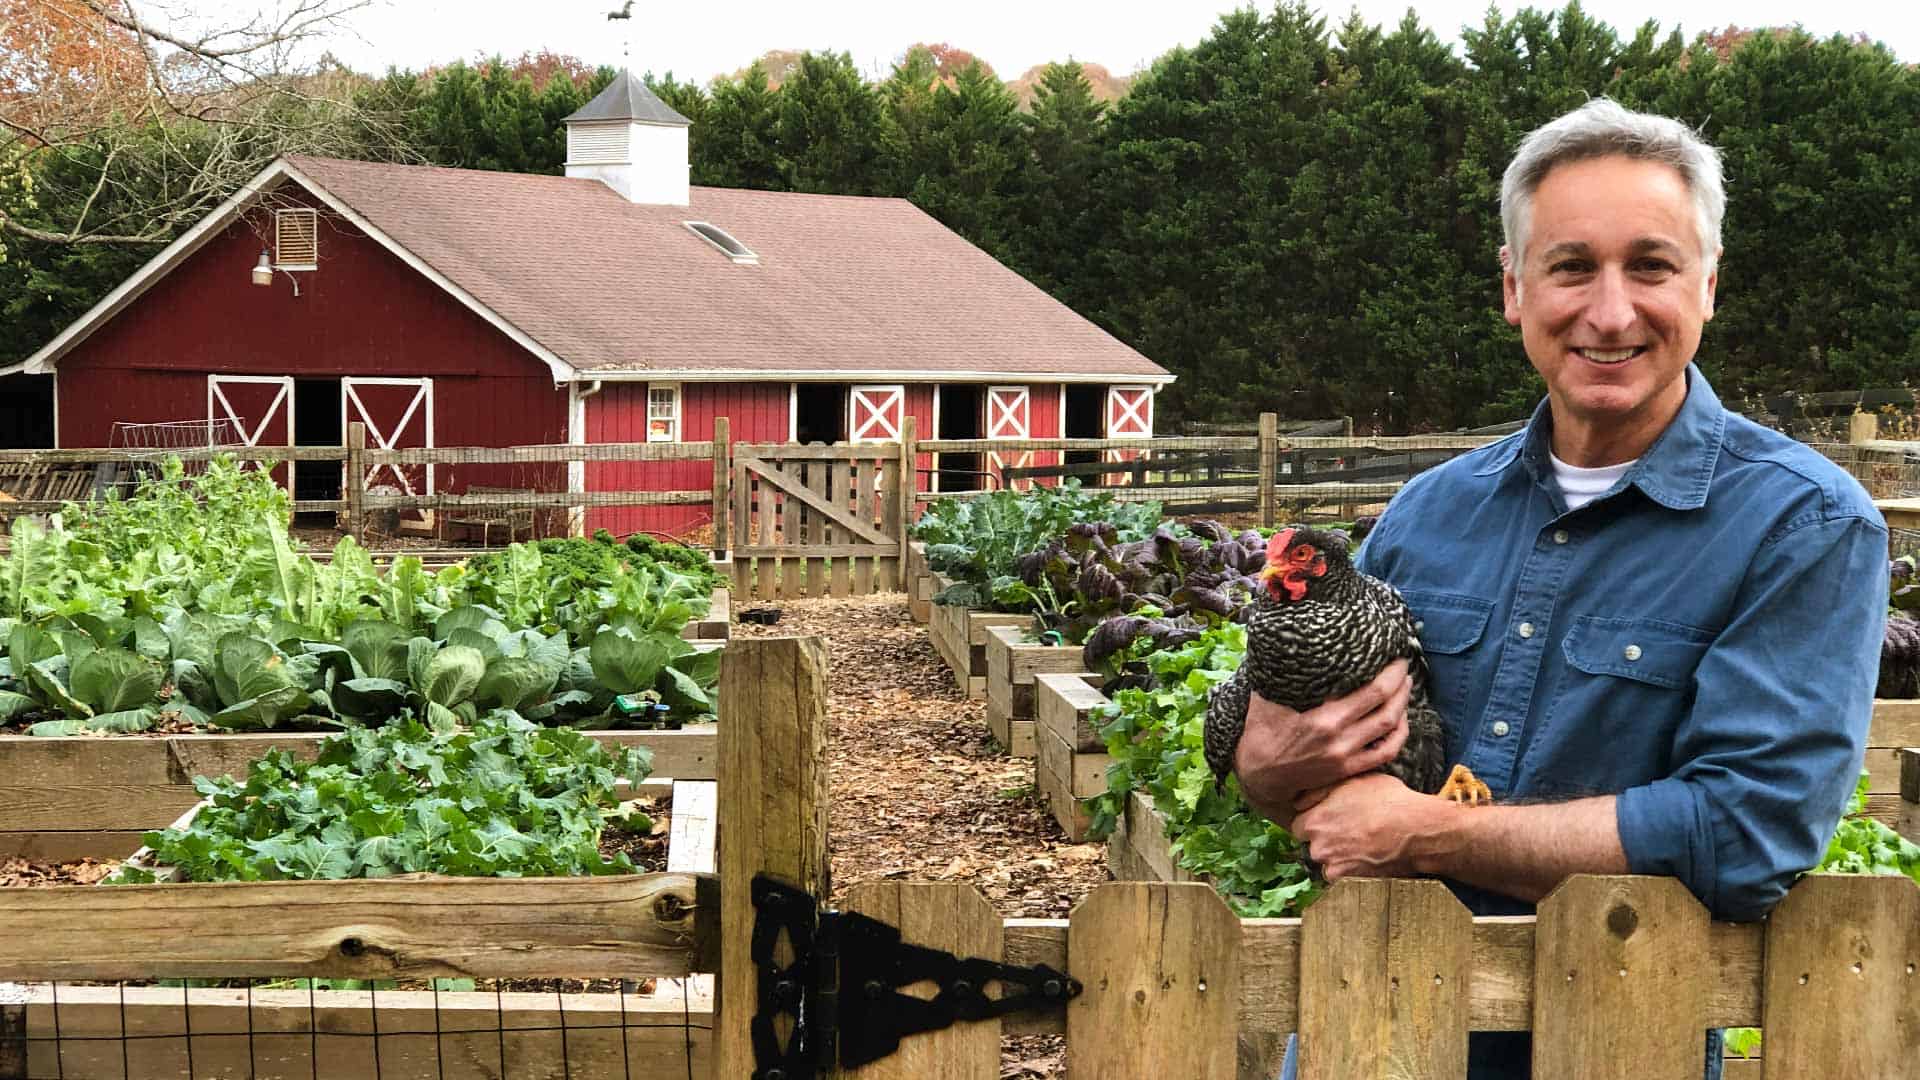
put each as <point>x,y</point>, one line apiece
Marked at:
<point>263,273</point>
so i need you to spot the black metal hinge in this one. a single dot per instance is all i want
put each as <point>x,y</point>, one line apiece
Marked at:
<point>842,993</point>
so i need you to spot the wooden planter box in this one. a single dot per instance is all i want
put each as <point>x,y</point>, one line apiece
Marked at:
<point>88,1040</point>
<point>959,635</point>
<point>919,583</point>
<point>1070,760</point>
<point>1012,665</point>
<point>718,623</point>
<point>82,797</point>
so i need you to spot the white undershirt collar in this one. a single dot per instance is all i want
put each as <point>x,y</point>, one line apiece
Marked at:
<point>1581,486</point>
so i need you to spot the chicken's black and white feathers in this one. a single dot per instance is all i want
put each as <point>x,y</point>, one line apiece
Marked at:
<point>1330,641</point>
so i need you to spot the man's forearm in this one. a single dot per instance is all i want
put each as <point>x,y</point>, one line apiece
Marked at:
<point>1522,851</point>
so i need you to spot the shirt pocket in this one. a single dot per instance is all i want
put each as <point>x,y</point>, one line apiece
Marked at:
<point>1450,627</point>
<point>1648,651</point>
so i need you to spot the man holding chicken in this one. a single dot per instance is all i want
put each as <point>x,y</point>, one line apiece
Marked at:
<point>1652,626</point>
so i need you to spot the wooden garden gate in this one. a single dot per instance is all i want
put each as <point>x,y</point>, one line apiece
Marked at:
<point>818,520</point>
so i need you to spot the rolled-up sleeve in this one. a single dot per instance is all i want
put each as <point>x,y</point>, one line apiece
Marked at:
<point>1773,745</point>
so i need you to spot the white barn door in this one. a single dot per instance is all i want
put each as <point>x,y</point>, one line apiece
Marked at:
<point>875,412</point>
<point>1129,416</point>
<point>398,414</point>
<point>1009,417</point>
<point>259,408</point>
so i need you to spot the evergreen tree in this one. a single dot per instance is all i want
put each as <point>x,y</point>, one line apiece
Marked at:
<point>1051,197</point>
<point>832,134</point>
<point>735,140</point>
<point>966,156</point>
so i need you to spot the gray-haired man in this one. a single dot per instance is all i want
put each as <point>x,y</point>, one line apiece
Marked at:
<point>1653,626</point>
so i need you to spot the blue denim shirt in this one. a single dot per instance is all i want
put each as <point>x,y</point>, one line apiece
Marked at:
<point>1702,641</point>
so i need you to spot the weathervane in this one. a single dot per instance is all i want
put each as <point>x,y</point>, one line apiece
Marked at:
<point>626,40</point>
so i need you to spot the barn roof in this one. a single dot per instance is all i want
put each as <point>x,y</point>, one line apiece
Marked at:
<point>843,287</point>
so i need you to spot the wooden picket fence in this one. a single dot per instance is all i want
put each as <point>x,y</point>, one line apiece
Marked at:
<point>1381,979</point>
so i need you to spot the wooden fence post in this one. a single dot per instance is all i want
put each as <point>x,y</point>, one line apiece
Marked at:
<point>1837,994</point>
<point>1862,427</point>
<point>1269,463</point>
<point>1161,967</point>
<point>1611,948</point>
<point>773,809</point>
<point>909,479</point>
<point>1386,973</point>
<point>722,477</point>
<point>354,490</point>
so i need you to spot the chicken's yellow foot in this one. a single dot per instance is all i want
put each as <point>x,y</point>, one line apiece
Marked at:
<point>1465,788</point>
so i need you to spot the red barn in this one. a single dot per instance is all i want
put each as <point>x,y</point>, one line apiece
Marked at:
<point>446,307</point>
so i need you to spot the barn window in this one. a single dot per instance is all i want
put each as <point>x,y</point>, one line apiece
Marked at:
<point>663,412</point>
<point>722,239</point>
<point>296,239</point>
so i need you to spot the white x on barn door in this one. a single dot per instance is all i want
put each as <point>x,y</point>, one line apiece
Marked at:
<point>398,414</point>
<point>1008,417</point>
<point>1129,416</point>
<point>875,412</point>
<point>1129,412</point>
<point>260,410</point>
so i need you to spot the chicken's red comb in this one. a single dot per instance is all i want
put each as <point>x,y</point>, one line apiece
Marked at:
<point>1277,547</point>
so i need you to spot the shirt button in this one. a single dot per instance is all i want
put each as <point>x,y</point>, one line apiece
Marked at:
<point>1526,629</point>
<point>1559,536</point>
<point>1633,652</point>
<point>1500,728</point>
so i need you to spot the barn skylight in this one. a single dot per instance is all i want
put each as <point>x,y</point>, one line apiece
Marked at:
<point>720,238</point>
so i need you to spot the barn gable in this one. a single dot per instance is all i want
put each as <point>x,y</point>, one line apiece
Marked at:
<point>280,185</point>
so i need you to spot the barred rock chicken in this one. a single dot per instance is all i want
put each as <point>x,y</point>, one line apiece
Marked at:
<point>1321,629</point>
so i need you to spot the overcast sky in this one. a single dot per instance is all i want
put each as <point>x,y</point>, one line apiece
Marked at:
<point>702,39</point>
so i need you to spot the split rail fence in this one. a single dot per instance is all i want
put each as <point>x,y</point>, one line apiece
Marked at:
<point>787,519</point>
<point>1380,979</point>
<point>831,520</point>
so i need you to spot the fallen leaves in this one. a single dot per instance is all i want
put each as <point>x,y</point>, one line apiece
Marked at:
<point>16,873</point>
<point>918,790</point>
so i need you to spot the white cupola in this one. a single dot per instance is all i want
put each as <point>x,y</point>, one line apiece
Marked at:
<point>631,141</point>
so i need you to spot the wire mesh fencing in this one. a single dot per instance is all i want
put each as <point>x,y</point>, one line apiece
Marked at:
<point>318,1029</point>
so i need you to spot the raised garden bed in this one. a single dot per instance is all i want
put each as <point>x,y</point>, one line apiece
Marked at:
<point>959,635</point>
<point>1012,664</point>
<point>1070,759</point>
<point>459,1034</point>
<point>89,797</point>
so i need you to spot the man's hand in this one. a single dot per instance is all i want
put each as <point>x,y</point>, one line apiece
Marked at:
<point>1365,827</point>
<point>1283,753</point>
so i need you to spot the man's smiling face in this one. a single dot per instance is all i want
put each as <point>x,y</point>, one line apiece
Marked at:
<point>1610,296</point>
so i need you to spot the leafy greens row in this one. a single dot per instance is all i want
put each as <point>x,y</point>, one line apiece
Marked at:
<point>505,798</point>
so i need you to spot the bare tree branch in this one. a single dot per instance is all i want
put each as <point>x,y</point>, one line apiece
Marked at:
<point>305,20</point>
<point>154,125</point>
